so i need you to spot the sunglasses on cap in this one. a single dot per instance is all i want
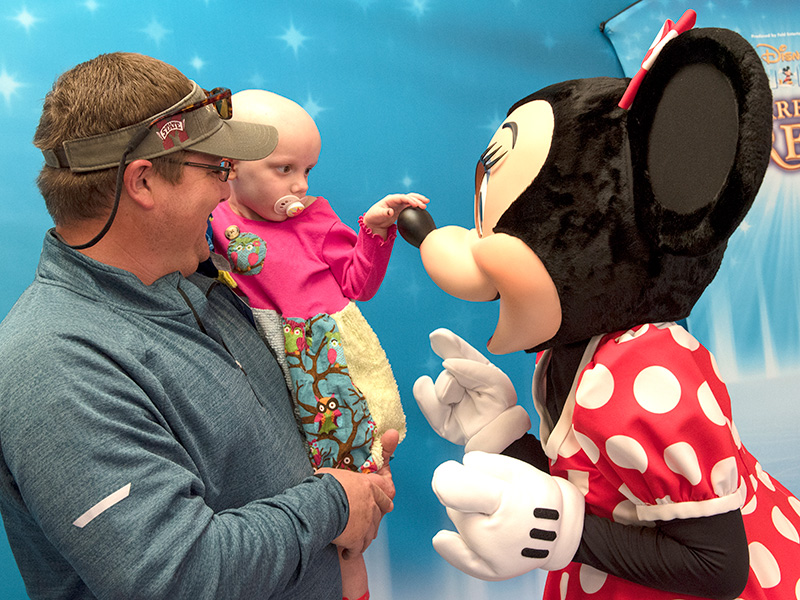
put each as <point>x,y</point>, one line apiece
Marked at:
<point>220,97</point>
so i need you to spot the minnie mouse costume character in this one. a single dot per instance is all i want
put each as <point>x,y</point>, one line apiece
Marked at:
<point>598,227</point>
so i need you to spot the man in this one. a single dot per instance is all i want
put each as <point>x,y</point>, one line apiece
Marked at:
<point>148,446</point>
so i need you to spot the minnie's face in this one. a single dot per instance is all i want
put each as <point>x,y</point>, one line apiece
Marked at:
<point>513,158</point>
<point>480,265</point>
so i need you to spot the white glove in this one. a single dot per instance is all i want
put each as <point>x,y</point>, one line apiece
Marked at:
<point>511,518</point>
<point>473,402</point>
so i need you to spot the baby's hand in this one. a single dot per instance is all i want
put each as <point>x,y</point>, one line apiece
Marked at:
<point>383,214</point>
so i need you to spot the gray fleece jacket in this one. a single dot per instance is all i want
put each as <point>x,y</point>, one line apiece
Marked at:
<point>148,447</point>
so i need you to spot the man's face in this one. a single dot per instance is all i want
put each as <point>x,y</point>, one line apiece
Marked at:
<point>179,227</point>
<point>258,185</point>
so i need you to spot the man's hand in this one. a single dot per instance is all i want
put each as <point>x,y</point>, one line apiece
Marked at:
<point>369,497</point>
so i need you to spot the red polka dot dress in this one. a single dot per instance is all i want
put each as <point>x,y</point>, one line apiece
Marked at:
<point>646,435</point>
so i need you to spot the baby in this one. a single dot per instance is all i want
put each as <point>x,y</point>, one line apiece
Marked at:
<point>292,257</point>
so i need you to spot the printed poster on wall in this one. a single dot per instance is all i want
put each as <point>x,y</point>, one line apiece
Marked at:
<point>749,317</point>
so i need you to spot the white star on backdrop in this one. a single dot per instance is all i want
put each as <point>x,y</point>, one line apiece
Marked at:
<point>155,31</point>
<point>636,36</point>
<point>418,7</point>
<point>549,41</point>
<point>197,62</point>
<point>494,123</point>
<point>293,38</point>
<point>407,182</point>
<point>8,85</point>
<point>257,81</point>
<point>26,19</point>
<point>312,108</point>
<point>91,5</point>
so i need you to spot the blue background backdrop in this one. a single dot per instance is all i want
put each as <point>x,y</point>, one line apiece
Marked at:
<point>406,94</point>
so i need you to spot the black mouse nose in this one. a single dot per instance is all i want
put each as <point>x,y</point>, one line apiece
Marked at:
<point>414,224</point>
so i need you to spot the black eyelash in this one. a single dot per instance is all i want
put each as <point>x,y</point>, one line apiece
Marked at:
<point>488,157</point>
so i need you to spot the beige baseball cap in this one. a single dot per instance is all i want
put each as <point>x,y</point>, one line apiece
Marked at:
<point>201,130</point>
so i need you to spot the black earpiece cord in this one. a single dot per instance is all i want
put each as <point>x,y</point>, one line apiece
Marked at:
<point>132,145</point>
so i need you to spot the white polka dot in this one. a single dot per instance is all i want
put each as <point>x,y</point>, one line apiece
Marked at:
<point>682,460</point>
<point>797,590</point>
<point>725,477</point>
<point>784,525</point>
<point>764,565</point>
<point>596,387</point>
<point>589,447</point>
<point>625,513</point>
<point>742,490</point>
<point>564,585</point>
<point>710,406</point>
<point>657,390</point>
<point>754,482</point>
<point>750,507</point>
<point>632,335</point>
<point>764,477</point>
<point>683,338</point>
<point>591,579</point>
<point>626,491</point>
<point>627,453</point>
<point>569,446</point>
<point>580,479</point>
<point>795,504</point>
<point>665,500</point>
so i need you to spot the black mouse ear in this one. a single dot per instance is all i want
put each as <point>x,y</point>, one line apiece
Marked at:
<point>700,137</point>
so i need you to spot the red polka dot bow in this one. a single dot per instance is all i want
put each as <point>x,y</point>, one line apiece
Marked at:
<point>668,32</point>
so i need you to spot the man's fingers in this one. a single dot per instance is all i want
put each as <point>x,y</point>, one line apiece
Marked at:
<point>384,503</point>
<point>382,480</point>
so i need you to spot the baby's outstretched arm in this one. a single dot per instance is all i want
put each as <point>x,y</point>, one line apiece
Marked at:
<point>383,214</point>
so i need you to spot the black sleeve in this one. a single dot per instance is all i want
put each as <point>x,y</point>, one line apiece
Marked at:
<point>705,557</point>
<point>529,449</point>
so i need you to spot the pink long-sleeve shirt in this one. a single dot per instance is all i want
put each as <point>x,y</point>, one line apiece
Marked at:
<point>306,265</point>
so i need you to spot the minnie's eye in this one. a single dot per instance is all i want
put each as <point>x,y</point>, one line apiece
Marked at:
<point>481,188</point>
<point>488,159</point>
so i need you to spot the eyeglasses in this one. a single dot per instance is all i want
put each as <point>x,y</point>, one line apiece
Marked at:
<point>220,97</point>
<point>223,169</point>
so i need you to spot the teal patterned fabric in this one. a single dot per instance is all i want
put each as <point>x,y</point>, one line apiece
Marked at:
<point>331,408</point>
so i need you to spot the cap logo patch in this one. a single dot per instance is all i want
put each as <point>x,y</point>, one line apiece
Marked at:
<point>168,129</point>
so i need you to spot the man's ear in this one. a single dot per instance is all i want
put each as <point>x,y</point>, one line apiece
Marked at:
<point>138,182</point>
